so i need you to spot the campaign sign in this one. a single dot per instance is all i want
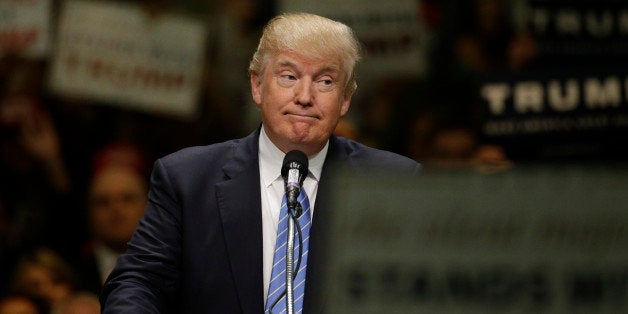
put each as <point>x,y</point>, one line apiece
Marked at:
<point>531,240</point>
<point>393,40</point>
<point>116,53</point>
<point>582,114</point>
<point>25,27</point>
<point>580,27</point>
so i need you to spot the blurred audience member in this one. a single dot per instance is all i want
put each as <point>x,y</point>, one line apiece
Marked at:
<point>116,199</point>
<point>45,274</point>
<point>489,41</point>
<point>35,141</point>
<point>18,303</point>
<point>347,128</point>
<point>235,28</point>
<point>441,145</point>
<point>489,158</point>
<point>78,303</point>
<point>35,187</point>
<point>383,117</point>
<point>451,147</point>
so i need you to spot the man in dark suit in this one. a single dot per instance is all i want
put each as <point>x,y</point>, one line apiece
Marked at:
<point>206,242</point>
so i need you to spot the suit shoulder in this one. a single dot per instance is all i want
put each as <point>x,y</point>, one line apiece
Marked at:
<point>366,156</point>
<point>195,152</point>
<point>196,159</point>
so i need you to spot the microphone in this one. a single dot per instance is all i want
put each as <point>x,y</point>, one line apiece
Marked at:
<point>294,170</point>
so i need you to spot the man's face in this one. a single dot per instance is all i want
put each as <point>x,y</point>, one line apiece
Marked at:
<point>117,201</point>
<point>301,100</point>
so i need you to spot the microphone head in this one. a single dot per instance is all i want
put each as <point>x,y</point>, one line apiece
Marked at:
<point>296,160</point>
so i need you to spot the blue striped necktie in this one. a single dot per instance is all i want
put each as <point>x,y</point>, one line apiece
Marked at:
<point>278,276</point>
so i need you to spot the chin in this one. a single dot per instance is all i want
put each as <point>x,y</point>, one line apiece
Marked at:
<point>299,136</point>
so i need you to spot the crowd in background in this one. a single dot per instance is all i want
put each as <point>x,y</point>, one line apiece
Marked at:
<point>74,173</point>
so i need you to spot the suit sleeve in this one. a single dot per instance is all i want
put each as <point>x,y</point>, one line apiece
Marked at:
<point>146,277</point>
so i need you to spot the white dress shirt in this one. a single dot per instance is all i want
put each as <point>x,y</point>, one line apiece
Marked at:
<point>106,259</point>
<point>272,188</point>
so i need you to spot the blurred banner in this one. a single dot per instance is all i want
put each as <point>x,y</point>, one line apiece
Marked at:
<point>391,35</point>
<point>572,104</point>
<point>580,27</point>
<point>571,113</point>
<point>118,54</point>
<point>531,240</point>
<point>25,27</point>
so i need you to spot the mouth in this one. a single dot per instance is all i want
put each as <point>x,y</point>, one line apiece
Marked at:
<point>301,116</point>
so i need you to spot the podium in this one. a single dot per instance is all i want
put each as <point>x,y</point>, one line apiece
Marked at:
<point>535,239</point>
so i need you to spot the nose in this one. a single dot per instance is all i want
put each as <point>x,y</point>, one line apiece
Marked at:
<point>303,92</point>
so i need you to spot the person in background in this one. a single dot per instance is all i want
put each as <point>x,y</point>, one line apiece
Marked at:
<point>117,196</point>
<point>441,143</point>
<point>18,303</point>
<point>206,243</point>
<point>78,303</point>
<point>45,274</point>
<point>489,42</point>
<point>35,186</point>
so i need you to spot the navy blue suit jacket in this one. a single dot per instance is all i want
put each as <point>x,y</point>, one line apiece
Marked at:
<point>198,248</point>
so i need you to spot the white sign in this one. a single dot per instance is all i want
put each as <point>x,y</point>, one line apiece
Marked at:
<point>534,240</point>
<point>391,35</point>
<point>25,27</point>
<point>118,54</point>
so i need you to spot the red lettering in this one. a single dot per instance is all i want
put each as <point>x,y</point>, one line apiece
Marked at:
<point>135,76</point>
<point>18,39</point>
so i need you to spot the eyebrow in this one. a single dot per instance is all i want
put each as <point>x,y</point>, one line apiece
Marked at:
<point>327,68</point>
<point>285,62</point>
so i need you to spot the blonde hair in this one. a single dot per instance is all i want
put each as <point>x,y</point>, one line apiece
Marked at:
<point>312,36</point>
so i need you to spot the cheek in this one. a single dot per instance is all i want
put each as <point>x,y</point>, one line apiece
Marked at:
<point>272,105</point>
<point>99,215</point>
<point>337,110</point>
<point>138,211</point>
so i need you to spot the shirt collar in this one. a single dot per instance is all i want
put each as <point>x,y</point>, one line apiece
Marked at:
<point>271,158</point>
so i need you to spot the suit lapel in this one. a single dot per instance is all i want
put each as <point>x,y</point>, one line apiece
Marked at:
<point>240,209</point>
<point>239,200</point>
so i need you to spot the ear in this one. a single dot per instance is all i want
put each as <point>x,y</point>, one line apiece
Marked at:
<point>256,88</point>
<point>346,103</point>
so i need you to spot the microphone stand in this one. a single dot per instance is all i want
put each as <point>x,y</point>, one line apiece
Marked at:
<point>293,171</point>
<point>293,224</point>
<point>290,265</point>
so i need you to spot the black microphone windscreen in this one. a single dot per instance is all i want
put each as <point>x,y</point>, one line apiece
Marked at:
<point>295,159</point>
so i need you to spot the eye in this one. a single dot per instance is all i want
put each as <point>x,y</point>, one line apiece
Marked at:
<point>325,84</point>
<point>286,79</point>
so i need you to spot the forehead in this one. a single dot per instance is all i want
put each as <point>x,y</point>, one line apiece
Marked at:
<point>304,63</point>
<point>115,178</point>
